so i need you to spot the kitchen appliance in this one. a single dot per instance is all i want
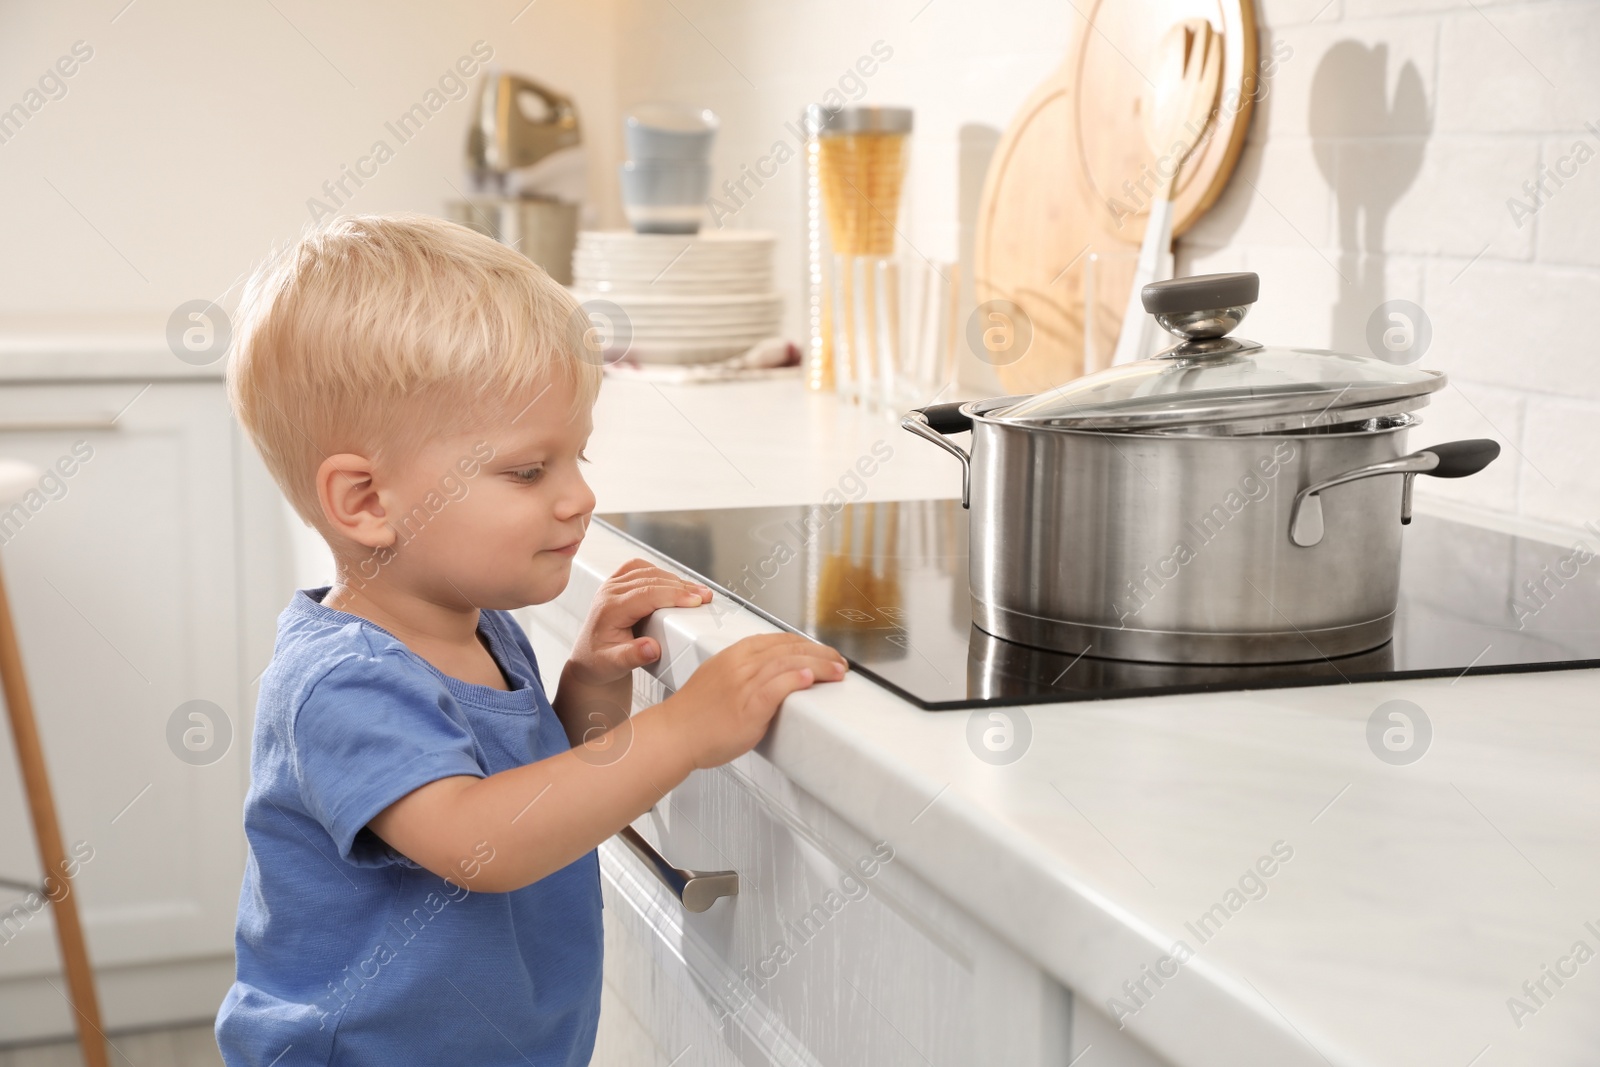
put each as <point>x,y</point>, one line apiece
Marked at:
<point>900,608</point>
<point>504,138</point>
<point>1172,509</point>
<point>1074,174</point>
<point>543,229</point>
<point>522,154</point>
<point>861,168</point>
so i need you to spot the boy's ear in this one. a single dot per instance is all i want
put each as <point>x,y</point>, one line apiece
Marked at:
<point>350,503</point>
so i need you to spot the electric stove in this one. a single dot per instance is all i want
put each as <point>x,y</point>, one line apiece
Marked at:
<point>885,583</point>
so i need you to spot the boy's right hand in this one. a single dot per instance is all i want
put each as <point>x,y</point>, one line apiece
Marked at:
<point>725,706</point>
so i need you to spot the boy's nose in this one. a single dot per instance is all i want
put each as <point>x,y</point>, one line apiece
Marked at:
<point>578,499</point>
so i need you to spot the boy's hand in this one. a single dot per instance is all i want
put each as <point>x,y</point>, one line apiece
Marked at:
<point>724,708</point>
<point>606,649</point>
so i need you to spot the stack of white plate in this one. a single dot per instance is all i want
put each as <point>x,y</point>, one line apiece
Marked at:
<point>683,298</point>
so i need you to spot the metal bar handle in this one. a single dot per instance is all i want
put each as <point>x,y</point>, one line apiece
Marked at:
<point>1454,459</point>
<point>1305,520</point>
<point>697,890</point>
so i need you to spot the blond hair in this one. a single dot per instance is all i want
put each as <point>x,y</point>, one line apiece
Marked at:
<point>375,329</point>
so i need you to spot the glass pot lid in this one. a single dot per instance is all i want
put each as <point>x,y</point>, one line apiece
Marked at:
<point>1210,378</point>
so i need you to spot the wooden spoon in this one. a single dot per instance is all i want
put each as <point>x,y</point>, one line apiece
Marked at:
<point>1177,113</point>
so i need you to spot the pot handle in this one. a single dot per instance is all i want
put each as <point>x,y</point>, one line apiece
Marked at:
<point>1455,459</point>
<point>932,423</point>
<point>947,418</point>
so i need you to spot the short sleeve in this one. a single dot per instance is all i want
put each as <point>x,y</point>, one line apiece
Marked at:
<point>371,730</point>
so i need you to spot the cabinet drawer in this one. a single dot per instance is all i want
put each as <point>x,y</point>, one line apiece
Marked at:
<point>826,955</point>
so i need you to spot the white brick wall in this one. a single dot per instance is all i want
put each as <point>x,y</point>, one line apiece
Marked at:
<point>1378,168</point>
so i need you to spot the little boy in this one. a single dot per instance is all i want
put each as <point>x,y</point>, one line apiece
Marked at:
<point>422,885</point>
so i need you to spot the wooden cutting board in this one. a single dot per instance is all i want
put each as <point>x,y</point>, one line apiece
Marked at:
<point>1055,193</point>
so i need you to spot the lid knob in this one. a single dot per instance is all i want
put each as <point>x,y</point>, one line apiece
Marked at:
<point>1204,306</point>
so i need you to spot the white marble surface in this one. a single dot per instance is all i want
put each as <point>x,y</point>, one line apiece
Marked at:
<point>751,444</point>
<point>1418,900</point>
<point>83,347</point>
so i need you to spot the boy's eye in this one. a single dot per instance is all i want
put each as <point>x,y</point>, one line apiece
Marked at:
<point>529,475</point>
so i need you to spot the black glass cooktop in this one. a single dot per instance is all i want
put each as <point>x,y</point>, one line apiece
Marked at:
<point>886,584</point>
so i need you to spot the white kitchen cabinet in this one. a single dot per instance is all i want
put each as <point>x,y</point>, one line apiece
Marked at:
<point>813,962</point>
<point>151,579</point>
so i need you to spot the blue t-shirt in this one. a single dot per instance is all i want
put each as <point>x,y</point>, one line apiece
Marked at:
<point>347,951</point>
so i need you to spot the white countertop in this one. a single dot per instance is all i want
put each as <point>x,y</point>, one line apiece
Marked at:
<point>100,347</point>
<point>1418,899</point>
<point>750,444</point>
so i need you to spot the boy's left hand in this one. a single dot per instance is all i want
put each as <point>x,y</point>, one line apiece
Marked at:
<point>606,649</point>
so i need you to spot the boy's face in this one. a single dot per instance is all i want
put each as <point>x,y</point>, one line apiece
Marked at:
<point>492,519</point>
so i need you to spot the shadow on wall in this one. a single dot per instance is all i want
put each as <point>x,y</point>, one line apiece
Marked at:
<point>1369,149</point>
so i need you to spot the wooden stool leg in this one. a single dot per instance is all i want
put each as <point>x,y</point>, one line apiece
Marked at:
<point>36,780</point>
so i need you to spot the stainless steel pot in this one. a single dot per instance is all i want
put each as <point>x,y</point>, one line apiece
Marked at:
<point>999,669</point>
<point>1219,503</point>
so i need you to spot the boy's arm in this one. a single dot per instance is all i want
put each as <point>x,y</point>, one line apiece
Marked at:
<point>585,710</point>
<point>510,829</point>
